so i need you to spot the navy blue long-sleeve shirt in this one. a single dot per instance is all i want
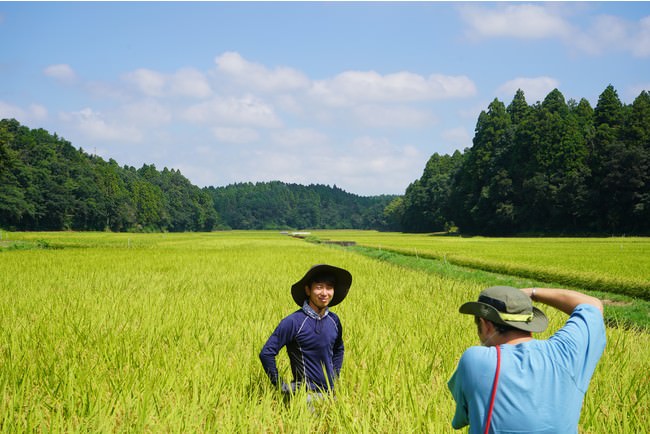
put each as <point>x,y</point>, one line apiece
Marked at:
<point>314,345</point>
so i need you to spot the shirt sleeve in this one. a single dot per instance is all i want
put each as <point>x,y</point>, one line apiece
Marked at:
<point>338,350</point>
<point>580,343</point>
<point>282,335</point>
<point>474,376</point>
<point>455,385</point>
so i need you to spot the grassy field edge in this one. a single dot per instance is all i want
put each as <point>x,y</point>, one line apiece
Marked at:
<point>632,289</point>
<point>621,310</point>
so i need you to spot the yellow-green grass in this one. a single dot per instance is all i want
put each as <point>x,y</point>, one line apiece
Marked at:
<point>617,264</point>
<point>161,333</point>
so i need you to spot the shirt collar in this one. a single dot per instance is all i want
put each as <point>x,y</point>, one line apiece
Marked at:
<point>311,312</point>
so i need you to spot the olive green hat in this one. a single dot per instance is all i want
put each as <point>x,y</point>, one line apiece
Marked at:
<point>508,306</point>
<point>341,279</point>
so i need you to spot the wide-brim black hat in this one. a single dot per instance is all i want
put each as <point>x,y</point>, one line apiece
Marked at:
<point>343,281</point>
<point>509,306</point>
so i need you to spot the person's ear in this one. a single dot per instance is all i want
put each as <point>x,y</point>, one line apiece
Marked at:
<point>488,326</point>
<point>307,290</point>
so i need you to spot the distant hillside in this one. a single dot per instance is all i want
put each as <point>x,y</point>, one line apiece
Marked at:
<point>276,205</point>
<point>47,184</point>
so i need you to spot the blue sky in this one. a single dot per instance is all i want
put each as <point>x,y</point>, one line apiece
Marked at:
<point>357,95</point>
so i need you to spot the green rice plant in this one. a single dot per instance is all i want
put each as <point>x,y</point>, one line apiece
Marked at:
<point>617,264</point>
<point>620,310</point>
<point>161,333</point>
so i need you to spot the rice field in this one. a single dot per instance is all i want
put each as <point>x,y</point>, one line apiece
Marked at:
<point>161,333</point>
<point>615,264</point>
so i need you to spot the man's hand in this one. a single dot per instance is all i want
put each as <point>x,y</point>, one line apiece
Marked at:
<point>565,300</point>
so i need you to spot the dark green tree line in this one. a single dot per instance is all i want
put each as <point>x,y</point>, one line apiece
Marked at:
<point>553,167</point>
<point>278,205</point>
<point>47,184</point>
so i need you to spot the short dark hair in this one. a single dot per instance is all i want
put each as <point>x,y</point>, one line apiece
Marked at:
<point>503,329</point>
<point>323,278</point>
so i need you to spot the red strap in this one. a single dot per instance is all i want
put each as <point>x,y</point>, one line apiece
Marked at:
<point>494,390</point>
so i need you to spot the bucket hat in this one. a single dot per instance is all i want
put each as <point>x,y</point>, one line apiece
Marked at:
<point>508,306</point>
<point>343,281</point>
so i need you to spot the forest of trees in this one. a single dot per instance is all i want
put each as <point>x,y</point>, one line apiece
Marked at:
<point>555,167</point>
<point>47,184</point>
<point>277,205</point>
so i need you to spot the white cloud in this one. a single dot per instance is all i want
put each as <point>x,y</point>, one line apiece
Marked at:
<point>353,87</point>
<point>235,135</point>
<point>519,21</point>
<point>606,32</point>
<point>472,112</point>
<point>190,83</point>
<point>534,21</point>
<point>289,104</point>
<point>378,116</point>
<point>535,89</point>
<point>641,41</point>
<point>634,91</point>
<point>35,112</point>
<point>348,88</point>
<point>378,163</point>
<point>248,111</point>
<point>107,91</point>
<point>148,112</point>
<point>9,111</point>
<point>146,81</point>
<point>610,29</point>
<point>61,72</point>
<point>200,175</point>
<point>93,126</point>
<point>274,165</point>
<point>259,77</point>
<point>458,137</point>
<point>304,137</point>
<point>611,33</point>
<point>186,82</point>
<point>370,161</point>
<point>366,164</point>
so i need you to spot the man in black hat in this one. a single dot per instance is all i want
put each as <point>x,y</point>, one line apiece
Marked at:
<point>515,383</point>
<point>313,334</point>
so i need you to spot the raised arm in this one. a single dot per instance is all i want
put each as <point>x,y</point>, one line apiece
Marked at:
<point>565,300</point>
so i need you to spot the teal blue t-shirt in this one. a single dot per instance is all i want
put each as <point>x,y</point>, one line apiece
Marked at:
<point>541,384</point>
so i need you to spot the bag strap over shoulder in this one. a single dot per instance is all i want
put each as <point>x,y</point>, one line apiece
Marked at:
<point>494,391</point>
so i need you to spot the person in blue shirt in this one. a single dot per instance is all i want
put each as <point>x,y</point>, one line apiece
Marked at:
<point>312,335</point>
<point>514,383</point>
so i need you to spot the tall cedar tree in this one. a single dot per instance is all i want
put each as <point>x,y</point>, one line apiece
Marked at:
<point>482,195</point>
<point>425,206</point>
<point>555,167</point>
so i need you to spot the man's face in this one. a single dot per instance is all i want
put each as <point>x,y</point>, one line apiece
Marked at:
<point>320,294</point>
